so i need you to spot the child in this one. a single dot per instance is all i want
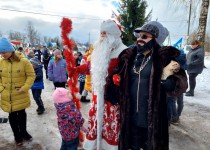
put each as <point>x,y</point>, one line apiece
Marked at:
<point>38,85</point>
<point>57,70</point>
<point>69,119</point>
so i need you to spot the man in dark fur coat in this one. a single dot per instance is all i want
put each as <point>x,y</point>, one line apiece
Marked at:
<point>140,83</point>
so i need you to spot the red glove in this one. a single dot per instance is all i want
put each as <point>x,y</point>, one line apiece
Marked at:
<point>82,69</point>
<point>116,79</point>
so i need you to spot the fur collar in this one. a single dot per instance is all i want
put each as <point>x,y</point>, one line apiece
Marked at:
<point>116,51</point>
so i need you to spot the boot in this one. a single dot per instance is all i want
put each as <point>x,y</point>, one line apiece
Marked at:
<point>27,137</point>
<point>83,99</point>
<point>189,93</point>
<point>22,124</point>
<point>175,120</point>
<point>40,110</point>
<point>13,121</point>
<point>3,120</point>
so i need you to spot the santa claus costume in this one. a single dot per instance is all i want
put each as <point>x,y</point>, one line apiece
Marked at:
<point>103,121</point>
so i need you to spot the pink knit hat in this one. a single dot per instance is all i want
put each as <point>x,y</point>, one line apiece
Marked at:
<point>57,52</point>
<point>61,95</point>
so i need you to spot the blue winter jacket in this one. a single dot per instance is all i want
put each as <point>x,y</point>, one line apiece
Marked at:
<point>38,83</point>
<point>182,60</point>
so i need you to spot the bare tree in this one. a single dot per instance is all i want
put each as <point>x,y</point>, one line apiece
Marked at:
<point>46,39</point>
<point>56,40</point>
<point>32,34</point>
<point>38,39</point>
<point>14,35</point>
<point>207,43</point>
<point>203,20</point>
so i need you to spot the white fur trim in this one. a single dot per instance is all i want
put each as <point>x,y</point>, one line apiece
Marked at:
<point>106,146</point>
<point>99,116</point>
<point>89,144</point>
<point>116,52</point>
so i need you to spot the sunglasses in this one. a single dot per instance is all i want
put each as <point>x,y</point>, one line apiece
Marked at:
<point>143,36</point>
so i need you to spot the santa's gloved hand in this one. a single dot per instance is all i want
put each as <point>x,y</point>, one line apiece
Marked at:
<point>116,79</point>
<point>170,69</point>
<point>72,72</point>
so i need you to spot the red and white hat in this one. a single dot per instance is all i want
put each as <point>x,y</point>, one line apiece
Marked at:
<point>111,27</point>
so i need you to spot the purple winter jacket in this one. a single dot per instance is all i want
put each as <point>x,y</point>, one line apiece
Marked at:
<point>57,72</point>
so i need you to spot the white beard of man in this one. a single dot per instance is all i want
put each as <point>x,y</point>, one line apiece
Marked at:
<point>100,62</point>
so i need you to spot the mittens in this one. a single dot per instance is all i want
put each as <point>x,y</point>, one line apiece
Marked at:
<point>170,69</point>
<point>116,79</point>
<point>72,72</point>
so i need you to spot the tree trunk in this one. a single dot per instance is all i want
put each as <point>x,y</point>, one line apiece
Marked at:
<point>203,21</point>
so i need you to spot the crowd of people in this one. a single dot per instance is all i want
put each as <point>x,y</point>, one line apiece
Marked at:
<point>137,91</point>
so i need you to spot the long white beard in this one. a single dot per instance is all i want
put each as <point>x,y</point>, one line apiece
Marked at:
<point>100,62</point>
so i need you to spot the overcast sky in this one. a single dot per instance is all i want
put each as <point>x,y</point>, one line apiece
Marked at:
<point>87,16</point>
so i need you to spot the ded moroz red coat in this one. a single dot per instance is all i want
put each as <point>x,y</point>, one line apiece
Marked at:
<point>103,116</point>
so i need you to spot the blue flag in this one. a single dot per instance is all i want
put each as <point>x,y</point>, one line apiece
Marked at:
<point>178,44</point>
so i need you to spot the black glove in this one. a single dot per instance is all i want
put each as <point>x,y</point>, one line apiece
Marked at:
<point>3,120</point>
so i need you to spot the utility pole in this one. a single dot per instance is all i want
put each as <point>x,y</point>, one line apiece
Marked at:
<point>188,29</point>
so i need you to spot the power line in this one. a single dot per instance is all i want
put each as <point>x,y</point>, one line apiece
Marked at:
<point>57,15</point>
<point>47,14</point>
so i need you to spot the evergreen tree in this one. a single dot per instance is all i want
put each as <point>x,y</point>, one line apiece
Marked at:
<point>132,15</point>
<point>75,47</point>
<point>58,42</point>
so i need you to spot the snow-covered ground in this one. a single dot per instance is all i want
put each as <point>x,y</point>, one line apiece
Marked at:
<point>202,90</point>
<point>191,134</point>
